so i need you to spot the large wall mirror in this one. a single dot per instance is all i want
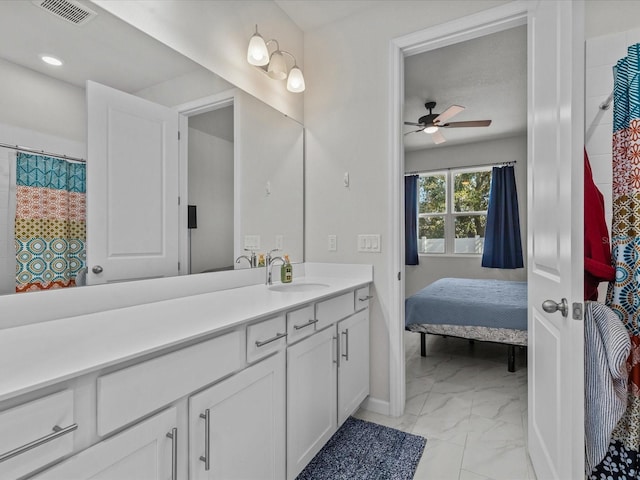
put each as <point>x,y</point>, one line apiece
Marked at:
<point>244,172</point>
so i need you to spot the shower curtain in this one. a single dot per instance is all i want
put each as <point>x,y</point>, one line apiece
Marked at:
<point>623,296</point>
<point>50,229</point>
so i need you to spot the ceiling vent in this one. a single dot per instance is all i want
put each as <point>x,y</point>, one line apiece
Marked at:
<point>68,10</point>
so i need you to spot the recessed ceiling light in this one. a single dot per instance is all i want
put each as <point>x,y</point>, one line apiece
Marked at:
<point>51,60</point>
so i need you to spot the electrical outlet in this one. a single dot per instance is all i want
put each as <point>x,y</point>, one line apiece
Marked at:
<point>333,243</point>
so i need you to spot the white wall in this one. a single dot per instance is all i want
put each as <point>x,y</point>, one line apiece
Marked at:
<point>211,190</point>
<point>433,267</point>
<point>216,34</point>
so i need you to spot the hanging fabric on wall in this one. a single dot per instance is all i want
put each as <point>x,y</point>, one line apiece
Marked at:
<point>50,225</point>
<point>502,242</point>
<point>411,220</point>
<point>623,297</point>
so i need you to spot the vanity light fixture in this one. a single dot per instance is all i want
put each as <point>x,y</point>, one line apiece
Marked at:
<point>274,63</point>
<point>51,60</point>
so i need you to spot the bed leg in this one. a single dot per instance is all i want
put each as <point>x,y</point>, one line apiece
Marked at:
<point>511,358</point>
<point>423,344</point>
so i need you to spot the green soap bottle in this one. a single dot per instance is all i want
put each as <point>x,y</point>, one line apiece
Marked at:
<point>286,271</point>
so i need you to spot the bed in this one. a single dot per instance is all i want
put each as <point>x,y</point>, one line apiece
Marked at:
<point>476,309</point>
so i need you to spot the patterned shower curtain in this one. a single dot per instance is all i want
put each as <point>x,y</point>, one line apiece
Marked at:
<point>623,458</point>
<point>50,228</point>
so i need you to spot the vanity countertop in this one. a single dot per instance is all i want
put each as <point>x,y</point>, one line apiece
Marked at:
<point>41,354</point>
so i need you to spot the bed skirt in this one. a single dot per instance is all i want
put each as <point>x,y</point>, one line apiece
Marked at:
<point>483,334</point>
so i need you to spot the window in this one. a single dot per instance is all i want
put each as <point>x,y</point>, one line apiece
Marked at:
<point>452,210</point>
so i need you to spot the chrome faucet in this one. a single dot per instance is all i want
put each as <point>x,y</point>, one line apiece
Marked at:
<point>267,258</point>
<point>253,262</point>
<point>270,263</point>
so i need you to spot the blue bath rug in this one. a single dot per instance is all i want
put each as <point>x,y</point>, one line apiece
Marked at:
<point>362,450</point>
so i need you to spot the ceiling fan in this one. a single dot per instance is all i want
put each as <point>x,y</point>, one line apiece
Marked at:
<point>432,122</point>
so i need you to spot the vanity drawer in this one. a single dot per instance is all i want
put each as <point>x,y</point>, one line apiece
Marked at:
<point>362,298</point>
<point>33,421</point>
<point>266,337</point>
<point>133,392</point>
<point>334,309</point>
<point>300,323</point>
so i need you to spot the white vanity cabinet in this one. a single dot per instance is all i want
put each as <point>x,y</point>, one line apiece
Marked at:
<point>311,398</point>
<point>146,451</point>
<point>353,365</point>
<point>327,377</point>
<point>237,427</point>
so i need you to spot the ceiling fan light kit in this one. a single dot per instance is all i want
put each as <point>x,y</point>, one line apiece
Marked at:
<point>432,122</point>
<point>274,63</point>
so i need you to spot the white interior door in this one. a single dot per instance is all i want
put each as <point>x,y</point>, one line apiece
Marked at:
<point>132,187</point>
<point>556,130</point>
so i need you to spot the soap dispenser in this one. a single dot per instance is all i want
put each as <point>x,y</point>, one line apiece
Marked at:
<point>286,271</point>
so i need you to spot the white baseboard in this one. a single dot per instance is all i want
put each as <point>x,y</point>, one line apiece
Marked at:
<point>376,405</point>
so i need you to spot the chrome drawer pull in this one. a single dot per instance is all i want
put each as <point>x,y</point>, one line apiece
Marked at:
<point>277,337</point>
<point>207,425</point>
<point>368,297</point>
<point>173,435</point>
<point>310,322</point>
<point>57,432</point>
<point>346,343</point>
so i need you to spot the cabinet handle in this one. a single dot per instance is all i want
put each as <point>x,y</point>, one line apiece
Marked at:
<point>310,322</point>
<point>368,297</point>
<point>277,337</point>
<point>57,432</point>
<point>336,353</point>
<point>207,425</point>
<point>346,343</point>
<point>173,435</point>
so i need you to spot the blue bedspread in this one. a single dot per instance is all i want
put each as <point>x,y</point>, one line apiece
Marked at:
<point>477,302</point>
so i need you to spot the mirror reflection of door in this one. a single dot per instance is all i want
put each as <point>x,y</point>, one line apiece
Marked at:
<point>211,180</point>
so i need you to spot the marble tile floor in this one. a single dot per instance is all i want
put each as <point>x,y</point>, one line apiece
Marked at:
<point>471,410</point>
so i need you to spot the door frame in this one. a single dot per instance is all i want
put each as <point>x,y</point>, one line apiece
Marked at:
<point>196,107</point>
<point>477,25</point>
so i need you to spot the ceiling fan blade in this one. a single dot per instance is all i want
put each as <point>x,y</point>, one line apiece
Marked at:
<point>415,124</point>
<point>471,123</point>
<point>437,137</point>
<point>447,114</point>
<point>415,131</point>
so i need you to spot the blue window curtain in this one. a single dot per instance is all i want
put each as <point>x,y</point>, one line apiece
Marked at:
<point>502,243</point>
<point>411,220</point>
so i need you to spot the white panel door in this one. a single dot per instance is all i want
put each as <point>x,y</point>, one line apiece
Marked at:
<point>237,427</point>
<point>555,263</point>
<point>132,187</point>
<point>142,452</point>
<point>311,398</point>
<point>353,367</point>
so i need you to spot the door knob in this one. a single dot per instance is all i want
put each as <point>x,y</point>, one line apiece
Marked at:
<point>550,306</point>
<point>97,269</point>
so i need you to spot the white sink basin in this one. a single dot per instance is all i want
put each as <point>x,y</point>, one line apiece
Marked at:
<point>298,287</point>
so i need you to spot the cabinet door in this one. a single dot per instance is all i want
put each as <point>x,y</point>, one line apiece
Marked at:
<point>142,452</point>
<point>311,398</point>
<point>353,367</point>
<point>237,427</point>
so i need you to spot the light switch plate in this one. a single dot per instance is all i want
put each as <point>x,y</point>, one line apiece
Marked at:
<point>279,242</point>
<point>252,242</point>
<point>369,243</point>
<point>333,243</point>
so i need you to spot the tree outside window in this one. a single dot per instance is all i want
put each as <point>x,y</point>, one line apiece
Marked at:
<point>452,211</point>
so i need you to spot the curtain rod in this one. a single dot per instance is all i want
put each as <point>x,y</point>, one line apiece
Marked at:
<point>502,164</point>
<point>41,152</point>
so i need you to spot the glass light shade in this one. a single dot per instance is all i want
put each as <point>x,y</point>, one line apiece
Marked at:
<point>295,82</point>
<point>277,66</point>
<point>431,129</point>
<point>257,53</point>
